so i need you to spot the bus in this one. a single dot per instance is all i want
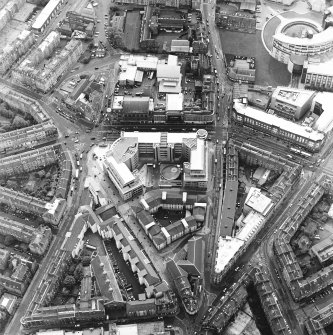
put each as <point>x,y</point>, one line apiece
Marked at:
<point>90,247</point>
<point>77,174</point>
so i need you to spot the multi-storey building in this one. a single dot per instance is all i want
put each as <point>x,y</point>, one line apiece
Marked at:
<point>9,10</point>
<point>299,286</point>
<point>44,77</point>
<point>173,201</point>
<point>27,138</point>
<point>13,51</point>
<point>291,103</point>
<point>29,161</point>
<point>310,39</point>
<point>297,134</point>
<point>318,75</point>
<point>130,149</point>
<point>23,103</point>
<point>50,212</point>
<point>46,15</point>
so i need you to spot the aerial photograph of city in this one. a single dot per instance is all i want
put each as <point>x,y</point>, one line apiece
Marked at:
<point>166,167</point>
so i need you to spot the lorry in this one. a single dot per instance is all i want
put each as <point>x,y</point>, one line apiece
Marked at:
<point>77,173</point>
<point>81,156</point>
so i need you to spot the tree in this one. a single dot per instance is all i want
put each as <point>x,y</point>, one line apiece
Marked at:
<point>69,281</point>
<point>9,240</point>
<point>86,261</point>
<point>3,316</point>
<point>116,37</point>
<point>78,273</point>
<point>19,122</point>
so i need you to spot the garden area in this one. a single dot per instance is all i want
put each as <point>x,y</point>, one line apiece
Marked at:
<point>41,183</point>
<point>12,119</point>
<point>69,288</point>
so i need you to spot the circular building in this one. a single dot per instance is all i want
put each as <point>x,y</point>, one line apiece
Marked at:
<point>202,133</point>
<point>170,172</point>
<point>292,33</point>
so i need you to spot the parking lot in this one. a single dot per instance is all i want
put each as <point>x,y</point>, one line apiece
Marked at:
<point>268,70</point>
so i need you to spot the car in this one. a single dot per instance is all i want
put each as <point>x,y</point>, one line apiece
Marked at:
<point>76,141</point>
<point>66,136</point>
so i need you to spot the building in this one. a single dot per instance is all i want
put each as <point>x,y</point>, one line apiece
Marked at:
<point>37,72</point>
<point>173,201</point>
<point>81,22</point>
<point>297,134</point>
<point>281,41</point>
<point>321,107</point>
<point>41,239</point>
<point>50,212</point>
<point>13,51</point>
<point>24,103</point>
<point>8,11</point>
<point>179,277</point>
<point>11,225</point>
<point>145,328</point>
<point>241,68</point>
<point>123,159</point>
<point>235,21</point>
<point>302,287</point>
<point>46,15</point>
<point>235,236</point>
<point>4,257</point>
<point>9,302</point>
<point>169,77</point>
<point>318,74</point>
<point>291,103</point>
<point>29,161</point>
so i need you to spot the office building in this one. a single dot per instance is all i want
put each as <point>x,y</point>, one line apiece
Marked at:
<point>297,134</point>
<point>291,103</point>
<point>318,75</point>
<point>281,41</point>
<point>122,161</point>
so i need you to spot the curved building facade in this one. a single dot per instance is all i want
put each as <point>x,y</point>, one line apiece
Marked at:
<point>291,33</point>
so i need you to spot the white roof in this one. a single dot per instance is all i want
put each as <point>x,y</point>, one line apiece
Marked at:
<point>118,102</point>
<point>168,71</point>
<point>325,121</point>
<point>172,60</point>
<point>170,86</point>
<point>129,74</point>
<point>252,222</point>
<point>174,102</point>
<point>124,173</point>
<point>127,329</point>
<point>321,68</point>
<point>228,247</point>
<point>226,250</point>
<point>259,202</point>
<point>292,96</point>
<point>279,122</point>
<point>45,14</point>
<point>323,37</point>
<point>155,137</point>
<point>197,159</point>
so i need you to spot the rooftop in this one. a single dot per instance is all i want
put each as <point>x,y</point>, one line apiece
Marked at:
<point>283,124</point>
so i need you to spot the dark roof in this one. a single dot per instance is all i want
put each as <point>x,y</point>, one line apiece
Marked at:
<point>229,208</point>
<point>135,104</point>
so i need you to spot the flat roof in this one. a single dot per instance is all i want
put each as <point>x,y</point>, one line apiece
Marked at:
<point>321,68</point>
<point>168,71</point>
<point>124,173</point>
<point>45,14</point>
<point>292,96</point>
<point>279,122</point>
<point>197,159</point>
<point>155,137</point>
<point>174,102</point>
<point>325,121</point>
<point>229,208</point>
